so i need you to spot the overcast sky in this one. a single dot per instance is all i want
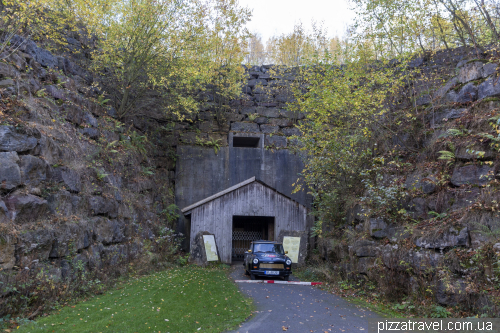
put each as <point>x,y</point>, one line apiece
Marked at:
<point>273,17</point>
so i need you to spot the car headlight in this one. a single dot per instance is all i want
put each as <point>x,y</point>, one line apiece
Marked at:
<point>288,262</point>
<point>256,261</point>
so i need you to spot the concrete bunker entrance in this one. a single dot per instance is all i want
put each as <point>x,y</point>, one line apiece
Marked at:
<point>247,229</point>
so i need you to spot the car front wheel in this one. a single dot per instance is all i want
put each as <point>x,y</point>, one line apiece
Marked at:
<point>286,278</point>
<point>252,276</point>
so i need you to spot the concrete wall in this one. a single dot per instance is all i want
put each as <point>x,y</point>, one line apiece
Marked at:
<point>253,199</point>
<point>201,173</point>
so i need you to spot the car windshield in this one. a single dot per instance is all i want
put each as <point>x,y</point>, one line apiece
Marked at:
<point>274,248</point>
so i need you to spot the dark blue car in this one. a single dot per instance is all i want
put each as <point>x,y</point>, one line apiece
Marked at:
<point>267,258</point>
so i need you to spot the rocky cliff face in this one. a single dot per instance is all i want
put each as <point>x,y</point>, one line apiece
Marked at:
<point>80,191</point>
<point>449,251</point>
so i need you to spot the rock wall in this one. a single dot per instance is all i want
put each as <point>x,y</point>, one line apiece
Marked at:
<point>449,250</point>
<point>78,188</point>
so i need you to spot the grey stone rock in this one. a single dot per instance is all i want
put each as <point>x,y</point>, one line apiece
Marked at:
<point>423,100</point>
<point>269,129</point>
<point>291,114</point>
<point>472,174</point>
<point>289,131</point>
<point>37,242</point>
<point>7,70</point>
<point>489,88</point>
<point>269,112</point>
<point>438,118</point>
<point>261,90</point>
<point>377,227</point>
<point>489,69</point>
<point>6,83</point>
<point>470,71</point>
<point>395,233</point>
<point>451,97</point>
<point>464,153</point>
<point>10,173</point>
<point>33,170</point>
<point>468,93</point>
<point>451,292</point>
<point>92,133</point>
<point>111,111</point>
<point>103,206</point>
<point>244,127</point>
<point>189,137</point>
<point>232,117</point>
<point>263,98</point>
<point>285,98</point>
<point>26,208</point>
<point>246,89</point>
<point>108,231</point>
<point>256,82</point>
<point>425,260</point>
<point>7,254</point>
<point>4,213</point>
<point>267,104</point>
<point>198,254</point>
<point>465,198</point>
<point>11,140</point>
<point>72,113</point>
<point>417,62</point>
<point>281,122</point>
<point>418,207</point>
<point>249,110</point>
<point>261,120</point>
<point>275,141</point>
<point>449,238</point>
<point>61,203</point>
<point>57,93</point>
<point>417,181</point>
<point>365,248</point>
<point>44,57</point>
<point>90,119</point>
<point>483,227</point>
<point>441,92</point>
<point>365,264</point>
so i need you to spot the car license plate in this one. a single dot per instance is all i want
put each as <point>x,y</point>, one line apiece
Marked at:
<point>272,273</point>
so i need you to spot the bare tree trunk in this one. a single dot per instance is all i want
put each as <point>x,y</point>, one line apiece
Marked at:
<point>487,17</point>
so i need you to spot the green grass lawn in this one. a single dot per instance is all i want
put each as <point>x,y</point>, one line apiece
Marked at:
<point>188,299</point>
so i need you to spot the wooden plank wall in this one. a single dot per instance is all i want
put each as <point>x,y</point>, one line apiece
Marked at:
<point>253,199</point>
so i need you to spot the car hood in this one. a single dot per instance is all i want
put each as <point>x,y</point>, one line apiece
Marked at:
<point>274,257</point>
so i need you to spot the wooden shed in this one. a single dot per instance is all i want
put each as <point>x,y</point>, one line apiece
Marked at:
<point>245,212</point>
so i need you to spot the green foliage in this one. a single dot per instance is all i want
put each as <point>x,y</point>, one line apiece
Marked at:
<point>100,174</point>
<point>252,116</point>
<point>439,312</point>
<point>212,142</point>
<point>171,214</point>
<point>147,171</point>
<point>101,100</point>
<point>448,155</point>
<point>455,132</point>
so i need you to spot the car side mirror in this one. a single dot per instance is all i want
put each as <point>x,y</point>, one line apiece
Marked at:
<point>286,252</point>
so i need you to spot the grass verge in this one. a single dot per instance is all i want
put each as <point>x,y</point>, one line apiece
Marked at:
<point>187,299</point>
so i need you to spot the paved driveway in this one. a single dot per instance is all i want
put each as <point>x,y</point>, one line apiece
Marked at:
<point>296,308</point>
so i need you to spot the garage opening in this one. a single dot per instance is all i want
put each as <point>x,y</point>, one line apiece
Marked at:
<point>247,229</point>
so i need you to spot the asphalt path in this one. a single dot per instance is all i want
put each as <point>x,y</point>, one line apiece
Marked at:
<point>298,308</point>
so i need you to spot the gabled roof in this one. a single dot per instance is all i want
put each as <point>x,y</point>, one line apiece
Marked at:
<point>230,189</point>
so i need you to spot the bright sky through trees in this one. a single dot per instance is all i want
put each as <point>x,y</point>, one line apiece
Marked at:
<point>275,17</point>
